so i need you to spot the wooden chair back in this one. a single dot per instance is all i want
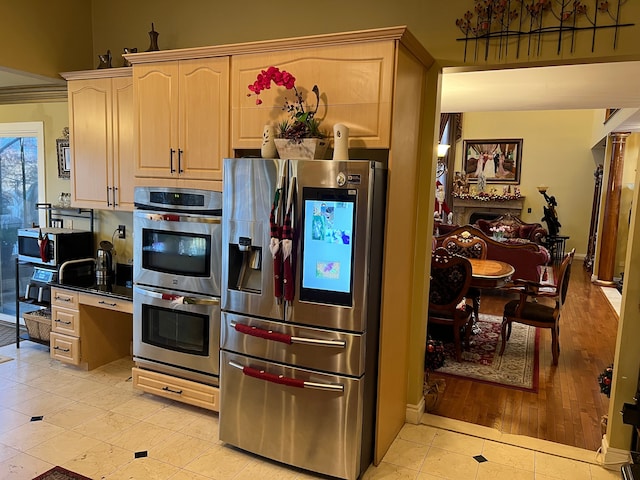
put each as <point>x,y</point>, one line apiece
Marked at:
<point>466,245</point>
<point>450,279</point>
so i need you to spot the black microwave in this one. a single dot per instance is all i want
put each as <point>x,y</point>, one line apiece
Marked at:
<point>53,246</point>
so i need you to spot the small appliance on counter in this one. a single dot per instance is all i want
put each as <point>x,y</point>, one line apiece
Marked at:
<point>53,246</point>
<point>105,264</point>
<point>39,286</point>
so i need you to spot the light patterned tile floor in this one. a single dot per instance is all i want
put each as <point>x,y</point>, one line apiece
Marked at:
<point>94,422</point>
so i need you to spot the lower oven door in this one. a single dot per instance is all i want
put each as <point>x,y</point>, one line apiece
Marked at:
<point>177,331</point>
<point>300,417</point>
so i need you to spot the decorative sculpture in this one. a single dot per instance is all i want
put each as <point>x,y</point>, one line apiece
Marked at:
<point>510,27</point>
<point>153,37</point>
<point>550,214</point>
<point>105,60</point>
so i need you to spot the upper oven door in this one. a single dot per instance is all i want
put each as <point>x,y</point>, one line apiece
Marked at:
<point>177,251</point>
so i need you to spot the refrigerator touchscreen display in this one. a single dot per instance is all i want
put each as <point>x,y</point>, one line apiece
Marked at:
<point>327,246</point>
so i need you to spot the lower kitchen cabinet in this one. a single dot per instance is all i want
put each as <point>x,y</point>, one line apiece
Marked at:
<point>186,391</point>
<point>89,330</point>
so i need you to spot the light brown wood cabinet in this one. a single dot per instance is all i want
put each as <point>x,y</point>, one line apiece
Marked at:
<point>355,83</point>
<point>178,389</point>
<point>101,138</point>
<point>181,122</point>
<point>88,329</point>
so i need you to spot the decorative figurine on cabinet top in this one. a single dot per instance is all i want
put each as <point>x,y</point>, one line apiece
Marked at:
<point>153,37</point>
<point>105,60</point>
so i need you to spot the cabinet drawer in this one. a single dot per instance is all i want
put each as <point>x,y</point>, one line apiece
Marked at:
<point>186,391</point>
<point>65,348</point>
<point>64,298</point>
<point>103,301</point>
<point>65,321</point>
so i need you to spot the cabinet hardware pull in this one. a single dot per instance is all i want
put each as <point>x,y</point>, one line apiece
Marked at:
<point>180,152</point>
<point>171,152</point>
<point>61,349</point>
<point>108,195</point>
<point>115,190</point>
<point>102,302</point>
<point>60,321</point>
<point>167,389</point>
<point>63,299</point>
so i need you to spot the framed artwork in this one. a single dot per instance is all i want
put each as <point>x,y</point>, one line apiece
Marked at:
<point>499,160</point>
<point>64,157</point>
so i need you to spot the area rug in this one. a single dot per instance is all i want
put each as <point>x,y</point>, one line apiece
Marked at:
<point>516,368</point>
<point>59,473</point>
<point>8,334</point>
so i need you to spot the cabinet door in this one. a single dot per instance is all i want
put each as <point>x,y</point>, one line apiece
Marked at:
<point>155,93</point>
<point>123,148</point>
<point>90,141</point>
<point>204,118</point>
<point>355,82</point>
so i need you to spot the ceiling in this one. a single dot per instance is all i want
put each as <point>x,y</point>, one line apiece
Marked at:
<point>588,86</point>
<point>14,78</point>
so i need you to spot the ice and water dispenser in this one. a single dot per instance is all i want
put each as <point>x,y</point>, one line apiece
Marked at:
<point>245,264</point>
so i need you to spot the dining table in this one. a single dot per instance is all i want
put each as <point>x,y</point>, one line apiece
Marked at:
<point>490,273</point>
<point>487,274</point>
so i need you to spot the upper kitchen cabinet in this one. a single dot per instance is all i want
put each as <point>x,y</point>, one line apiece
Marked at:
<point>355,83</point>
<point>101,138</point>
<point>181,122</point>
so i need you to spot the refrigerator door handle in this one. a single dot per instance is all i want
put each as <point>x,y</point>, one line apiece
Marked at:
<point>285,338</point>
<point>282,380</point>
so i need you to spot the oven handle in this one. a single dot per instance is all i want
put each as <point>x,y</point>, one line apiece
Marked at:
<point>176,217</point>
<point>288,381</point>
<point>285,338</point>
<point>180,299</point>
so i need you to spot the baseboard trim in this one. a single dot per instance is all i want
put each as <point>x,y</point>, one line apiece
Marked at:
<point>413,413</point>
<point>613,458</point>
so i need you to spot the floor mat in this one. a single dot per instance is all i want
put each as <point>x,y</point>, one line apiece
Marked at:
<point>59,473</point>
<point>517,368</point>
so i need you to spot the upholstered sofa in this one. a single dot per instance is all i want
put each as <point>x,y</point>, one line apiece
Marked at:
<point>527,258</point>
<point>516,228</point>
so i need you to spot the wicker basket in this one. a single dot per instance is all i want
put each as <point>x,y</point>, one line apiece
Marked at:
<point>38,324</point>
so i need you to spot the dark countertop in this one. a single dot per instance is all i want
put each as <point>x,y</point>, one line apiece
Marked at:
<point>112,290</point>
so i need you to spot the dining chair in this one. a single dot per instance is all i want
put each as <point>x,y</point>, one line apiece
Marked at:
<point>450,279</point>
<point>529,311</point>
<point>468,245</point>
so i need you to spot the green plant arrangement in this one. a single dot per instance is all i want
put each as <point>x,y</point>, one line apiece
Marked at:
<point>302,122</point>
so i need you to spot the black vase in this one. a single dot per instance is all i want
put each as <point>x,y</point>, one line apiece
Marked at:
<point>153,37</point>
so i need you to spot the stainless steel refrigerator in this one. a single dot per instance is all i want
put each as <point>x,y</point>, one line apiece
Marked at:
<point>301,274</point>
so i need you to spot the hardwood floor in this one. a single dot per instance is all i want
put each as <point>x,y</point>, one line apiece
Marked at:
<point>568,406</point>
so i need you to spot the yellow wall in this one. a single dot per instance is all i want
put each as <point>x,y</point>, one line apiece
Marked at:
<point>632,151</point>
<point>45,37</point>
<point>121,23</point>
<point>556,151</point>
<point>627,356</point>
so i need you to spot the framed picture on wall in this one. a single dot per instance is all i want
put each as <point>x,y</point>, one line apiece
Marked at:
<point>64,155</point>
<point>499,160</point>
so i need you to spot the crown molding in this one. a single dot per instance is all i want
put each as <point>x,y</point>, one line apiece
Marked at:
<point>34,94</point>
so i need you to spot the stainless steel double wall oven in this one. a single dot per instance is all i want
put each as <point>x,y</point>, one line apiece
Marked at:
<point>176,273</point>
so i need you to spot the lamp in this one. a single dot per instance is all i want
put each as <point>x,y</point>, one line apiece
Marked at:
<point>542,189</point>
<point>443,148</point>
